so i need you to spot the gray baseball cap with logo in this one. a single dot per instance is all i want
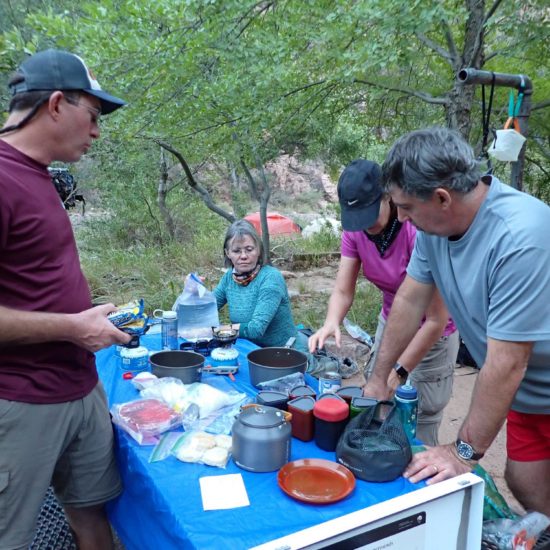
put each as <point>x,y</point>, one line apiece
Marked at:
<point>359,193</point>
<point>61,70</point>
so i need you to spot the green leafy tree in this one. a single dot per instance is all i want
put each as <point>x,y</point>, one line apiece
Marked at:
<point>240,81</point>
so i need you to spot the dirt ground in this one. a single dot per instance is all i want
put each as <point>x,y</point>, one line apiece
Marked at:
<point>317,283</point>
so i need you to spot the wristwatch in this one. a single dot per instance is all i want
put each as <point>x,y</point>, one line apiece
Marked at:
<point>466,451</point>
<point>401,371</point>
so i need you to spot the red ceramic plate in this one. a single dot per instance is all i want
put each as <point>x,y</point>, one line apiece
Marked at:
<point>316,480</point>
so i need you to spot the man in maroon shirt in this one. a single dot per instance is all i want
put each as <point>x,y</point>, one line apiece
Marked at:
<point>54,422</point>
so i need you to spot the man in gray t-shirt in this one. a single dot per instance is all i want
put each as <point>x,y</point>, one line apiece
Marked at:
<point>486,247</point>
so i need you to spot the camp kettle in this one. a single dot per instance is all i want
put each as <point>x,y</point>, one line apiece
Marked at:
<point>261,438</point>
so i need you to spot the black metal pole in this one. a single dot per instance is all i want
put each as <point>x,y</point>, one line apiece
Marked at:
<point>520,82</point>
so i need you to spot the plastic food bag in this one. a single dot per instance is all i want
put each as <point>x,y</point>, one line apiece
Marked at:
<point>515,534</point>
<point>494,504</point>
<point>144,419</point>
<point>355,331</point>
<point>180,396</point>
<point>212,450</point>
<point>163,449</point>
<point>219,422</point>
<point>143,380</point>
<point>197,310</point>
<point>283,384</point>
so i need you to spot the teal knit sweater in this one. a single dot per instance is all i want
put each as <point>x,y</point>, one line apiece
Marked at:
<point>262,308</point>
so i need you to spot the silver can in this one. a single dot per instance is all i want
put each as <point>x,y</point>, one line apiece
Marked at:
<point>329,382</point>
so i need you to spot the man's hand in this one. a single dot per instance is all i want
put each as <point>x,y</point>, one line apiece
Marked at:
<point>377,389</point>
<point>437,464</point>
<point>394,381</point>
<point>93,331</point>
<point>317,341</point>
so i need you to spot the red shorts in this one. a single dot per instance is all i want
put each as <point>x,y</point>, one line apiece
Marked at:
<point>528,436</point>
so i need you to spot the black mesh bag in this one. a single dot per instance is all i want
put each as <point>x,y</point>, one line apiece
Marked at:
<point>374,445</point>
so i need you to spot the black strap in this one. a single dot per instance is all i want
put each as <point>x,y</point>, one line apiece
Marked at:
<point>486,116</point>
<point>26,119</point>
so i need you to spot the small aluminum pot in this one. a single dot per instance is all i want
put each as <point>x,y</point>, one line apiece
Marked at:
<point>185,365</point>
<point>261,438</point>
<point>269,363</point>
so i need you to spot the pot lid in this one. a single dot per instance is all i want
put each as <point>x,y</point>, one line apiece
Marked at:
<point>225,334</point>
<point>262,417</point>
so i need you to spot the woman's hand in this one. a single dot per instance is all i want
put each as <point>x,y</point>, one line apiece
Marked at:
<point>317,341</point>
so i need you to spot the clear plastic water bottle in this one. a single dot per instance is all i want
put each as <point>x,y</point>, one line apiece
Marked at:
<point>406,400</point>
<point>169,330</point>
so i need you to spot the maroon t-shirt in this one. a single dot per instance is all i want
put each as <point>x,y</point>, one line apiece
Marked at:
<point>39,271</point>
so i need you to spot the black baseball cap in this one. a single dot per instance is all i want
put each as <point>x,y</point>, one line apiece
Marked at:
<point>61,70</point>
<point>359,193</point>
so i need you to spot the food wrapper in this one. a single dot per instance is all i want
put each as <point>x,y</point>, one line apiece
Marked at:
<point>145,419</point>
<point>130,318</point>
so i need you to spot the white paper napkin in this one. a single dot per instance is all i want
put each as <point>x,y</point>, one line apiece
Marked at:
<point>223,492</point>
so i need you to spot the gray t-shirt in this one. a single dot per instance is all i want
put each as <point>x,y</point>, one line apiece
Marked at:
<point>495,281</point>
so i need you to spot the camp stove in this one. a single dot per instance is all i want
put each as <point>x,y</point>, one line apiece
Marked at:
<point>202,346</point>
<point>224,357</point>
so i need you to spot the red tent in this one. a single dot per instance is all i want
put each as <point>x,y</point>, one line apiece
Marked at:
<point>277,224</point>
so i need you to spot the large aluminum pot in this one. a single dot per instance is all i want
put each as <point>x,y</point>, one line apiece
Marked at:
<point>261,438</point>
<point>185,365</point>
<point>270,363</point>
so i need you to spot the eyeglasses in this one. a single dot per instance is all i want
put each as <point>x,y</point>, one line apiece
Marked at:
<point>238,251</point>
<point>94,112</point>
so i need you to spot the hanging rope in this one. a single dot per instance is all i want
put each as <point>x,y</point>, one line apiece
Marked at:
<point>486,116</point>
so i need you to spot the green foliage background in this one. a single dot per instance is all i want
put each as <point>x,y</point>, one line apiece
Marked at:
<point>244,81</point>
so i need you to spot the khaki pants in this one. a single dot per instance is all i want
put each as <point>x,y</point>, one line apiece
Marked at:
<point>433,379</point>
<point>68,445</point>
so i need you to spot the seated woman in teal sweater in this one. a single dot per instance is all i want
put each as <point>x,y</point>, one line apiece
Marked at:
<point>256,294</point>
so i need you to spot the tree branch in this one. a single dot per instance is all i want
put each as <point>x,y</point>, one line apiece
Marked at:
<point>479,35</point>
<point>259,8</point>
<point>428,98</point>
<point>251,181</point>
<point>544,149</point>
<point>537,164</point>
<point>540,105</point>
<point>451,43</point>
<point>162,192</point>
<point>491,11</point>
<point>204,194</point>
<point>302,88</point>
<point>435,47</point>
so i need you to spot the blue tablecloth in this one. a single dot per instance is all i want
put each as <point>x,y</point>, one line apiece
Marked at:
<point>161,506</point>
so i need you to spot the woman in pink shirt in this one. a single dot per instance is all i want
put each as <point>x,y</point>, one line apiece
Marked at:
<point>375,240</point>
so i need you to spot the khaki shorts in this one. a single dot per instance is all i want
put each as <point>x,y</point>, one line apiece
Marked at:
<point>68,445</point>
<point>433,379</point>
